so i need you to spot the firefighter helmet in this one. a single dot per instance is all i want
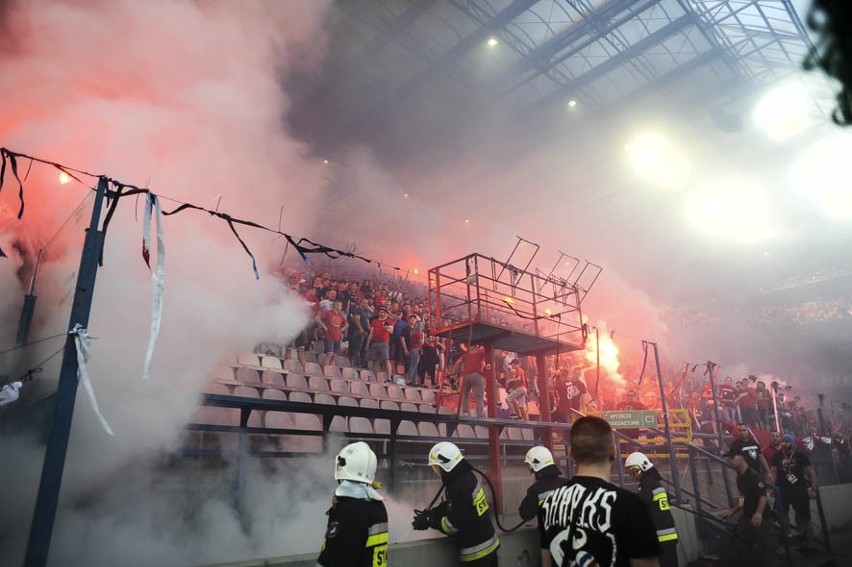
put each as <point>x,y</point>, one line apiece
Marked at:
<point>356,462</point>
<point>446,455</point>
<point>538,457</point>
<point>638,460</point>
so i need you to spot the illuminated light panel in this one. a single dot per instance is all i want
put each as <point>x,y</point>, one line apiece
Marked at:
<point>734,210</point>
<point>657,161</point>
<point>820,175</point>
<point>64,178</point>
<point>492,42</point>
<point>783,112</point>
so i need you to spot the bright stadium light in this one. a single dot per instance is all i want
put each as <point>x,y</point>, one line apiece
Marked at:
<point>783,112</point>
<point>64,178</point>
<point>733,209</point>
<point>656,160</point>
<point>572,103</point>
<point>492,42</point>
<point>820,175</point>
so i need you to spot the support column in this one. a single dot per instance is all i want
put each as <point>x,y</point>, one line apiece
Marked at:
<point>493,430</point>
<point>544,399</point>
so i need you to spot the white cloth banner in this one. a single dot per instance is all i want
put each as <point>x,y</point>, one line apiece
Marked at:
<point>83,343</point>
<point>158,277</point>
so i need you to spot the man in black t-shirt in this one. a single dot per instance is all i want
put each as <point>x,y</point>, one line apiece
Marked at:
<point>748,446</point>
<point>591,521</point>
<point>796,480</point>
<point>569,395</point>
<point>753,527</point>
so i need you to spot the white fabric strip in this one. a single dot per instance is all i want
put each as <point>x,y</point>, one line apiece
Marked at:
<point>157,280</point>
<point>83,343</point>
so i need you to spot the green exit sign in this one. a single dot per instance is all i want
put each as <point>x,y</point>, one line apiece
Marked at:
<point>633,419</point>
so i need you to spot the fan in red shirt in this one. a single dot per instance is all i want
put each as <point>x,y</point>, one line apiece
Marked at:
<point>746,401</point>
<point>378,342</point>
<point>333,323</point>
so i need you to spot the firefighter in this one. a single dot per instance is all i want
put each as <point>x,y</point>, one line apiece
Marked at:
<point>652,492</point>
<point>357,531</point>
<point>548,477</point>
<point>464,514</point>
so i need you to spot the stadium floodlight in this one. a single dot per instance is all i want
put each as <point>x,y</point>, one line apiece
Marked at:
<point>783,112</point>
<point>732,209</point>
<point>492,42</point>
<point>64,178</point>
<point>656,160</point>
<point>820,175</point>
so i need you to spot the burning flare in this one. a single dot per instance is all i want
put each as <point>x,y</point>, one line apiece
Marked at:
<point>609,355</point>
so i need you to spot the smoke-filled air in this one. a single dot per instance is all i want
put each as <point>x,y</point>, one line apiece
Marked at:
<point>721,229</point>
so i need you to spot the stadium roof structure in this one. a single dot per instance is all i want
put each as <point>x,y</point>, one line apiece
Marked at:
<point>396,62</point>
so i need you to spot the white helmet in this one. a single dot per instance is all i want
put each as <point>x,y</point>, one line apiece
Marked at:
<point>446,455</point>
<point>356,462</point>
<point>538,457</point>
<point>638,460</point>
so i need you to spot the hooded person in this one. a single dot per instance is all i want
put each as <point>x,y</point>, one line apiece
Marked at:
<point>654,495</point>
<point>357,530</point>
<point>464,513</point>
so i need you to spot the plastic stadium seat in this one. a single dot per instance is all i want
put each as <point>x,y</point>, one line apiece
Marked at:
<point>272,377</point>
<point>370,403</point>
<point>381,426</point>
<point>444,410</point>
<point>427,395</point>
<point>426,409</point>
<point>395,392</point>
<point>389,405</point>
<point>406,428</point>
<point>339,386</point>
<point>359,389</point>
<point>271,362</point>
<point>273,394</point>
<point>349,373</point>
<point>480,431</point>
<point>302,397</point>
<point>347,401</point>
<point>527,434</point>
<point>222,373</point>
<point>246,392</point>
<point>278,420</point>
<point>313,369</point>
<point>318,384</point>
<point>428,429</point>
<point>293,366</point>
<point>255,419</point>
<point>378,391</point>
<point>247,359</point>
<point>217,416</point>
<point>296,381</point>
<point>381,376</point>
<point>217,389</point>
<point>342,361</point>
<point>303,444</point>
<point>338,424</point>
<point>412,394</point>
<point>247,374</point>
<point>368,376</point>
<point>360,425</point>
<point>331,372</point>
<point>311,356</point>
<point>515,433</point>
<point>464,431</point>
<point>407,406</point>
<point>321,398</point>
<point>399,379</point>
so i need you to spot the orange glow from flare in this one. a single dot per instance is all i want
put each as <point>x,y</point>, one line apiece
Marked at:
<point>609,355</point>
<point>547,312</point>
<point>64,178</point>
<point>509,300</point>
<point>416,272</point>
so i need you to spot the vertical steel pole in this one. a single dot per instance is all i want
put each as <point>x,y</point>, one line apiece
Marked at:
<point>672,456</point>
<point>711,367</point>
<point>544,399</point>
<point>44,514</point>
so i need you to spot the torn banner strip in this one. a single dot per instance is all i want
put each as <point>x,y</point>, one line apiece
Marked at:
<point>158,276</point>
<point>83,343</point>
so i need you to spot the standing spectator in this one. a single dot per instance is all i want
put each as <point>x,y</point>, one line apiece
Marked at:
<point>359,321</point>
<point>429,361</point>
<point>516,388</point>
<point>415,345</point>
<point>752,528</point>
<point>632,402</point>
<point>764,404</point>
<point>748,446</point>
<point>569,395</point>
<point>333,324</point>
<point>797,482</point>
<point>727,396</point>
<point>378,340</point>
<point>746,402</point>
<point>591,521</point>
<point>398,346</point>
<point>773,447</point>
<point>357,531</point>
<point>472,363</point>
<point>654,495</point>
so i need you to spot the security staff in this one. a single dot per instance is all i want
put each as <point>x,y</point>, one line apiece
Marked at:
<point>652,493</point>
<point>357,531</point>
<point>464,515</point>
<point>548,478</point>
<point>753,527</point>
